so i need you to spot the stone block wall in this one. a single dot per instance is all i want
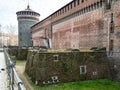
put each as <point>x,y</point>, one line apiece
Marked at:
<point>49,68</point>
<point>13,50</point>
<point>24,32</point>
<point>22,54</point>
<point>19,53</point>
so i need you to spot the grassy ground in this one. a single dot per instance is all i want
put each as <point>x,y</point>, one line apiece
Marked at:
<point>18,62</point>
<point>21,63</point>
<point>82,85</point>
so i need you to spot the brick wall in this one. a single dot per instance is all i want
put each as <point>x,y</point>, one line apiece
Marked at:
<point>116,34</point>
<point>81,25</point>
<point>80,31</point>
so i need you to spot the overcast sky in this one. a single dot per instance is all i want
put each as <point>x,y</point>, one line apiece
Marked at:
<point>8,9</point>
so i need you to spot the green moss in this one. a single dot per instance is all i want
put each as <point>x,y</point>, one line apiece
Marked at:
<point>22,54</point>
<point>67,67</point>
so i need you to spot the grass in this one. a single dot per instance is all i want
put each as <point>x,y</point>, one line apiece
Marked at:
<point>84,85</point>
<point>102,84</point>
<point>18,62</point>
<point>21,63</point>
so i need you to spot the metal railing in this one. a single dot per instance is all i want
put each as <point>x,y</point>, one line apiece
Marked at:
<point>12,74</point>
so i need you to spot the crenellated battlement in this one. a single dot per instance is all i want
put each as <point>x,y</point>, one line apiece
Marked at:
<point>75,6</point>
<point>28,13</point>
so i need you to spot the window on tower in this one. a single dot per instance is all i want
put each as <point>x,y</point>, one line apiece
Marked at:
<point>82,1</point>
<point>111,45</point>
<point>108,4</point>
<point>112,24</point>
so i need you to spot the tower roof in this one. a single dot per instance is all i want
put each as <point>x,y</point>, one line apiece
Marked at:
<point>27,14</point>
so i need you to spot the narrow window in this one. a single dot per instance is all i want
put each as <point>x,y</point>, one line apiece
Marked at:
<point>101,3</point>
<point>112,28</point>
<point>68,8</point>
<point>111,17</point>
<point>95,6</point>
<point>56,57</point>
<point>74,3</point>
<point>89,9</point>
<point>111,45</point>
<point>98,4</point>
<point>83,69</point>
<point>71,6</point>
<point>60,11</point>
<point>65,9</point>
<point>78,2</point>
<point>92,7</point>
<point>82,1</point>
<point>108,4</point>
<point>112,24</point>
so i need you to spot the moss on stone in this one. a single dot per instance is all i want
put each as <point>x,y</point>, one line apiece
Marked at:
<point>42,66</point>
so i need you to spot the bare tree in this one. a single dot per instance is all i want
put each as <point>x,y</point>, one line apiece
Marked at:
<point>10,29</point>
<point>11,32</point>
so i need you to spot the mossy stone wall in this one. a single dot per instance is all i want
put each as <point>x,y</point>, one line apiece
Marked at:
<point>22,54</point>
<point>19,53</point>
<point>41,67</point>
<point>13,50</point>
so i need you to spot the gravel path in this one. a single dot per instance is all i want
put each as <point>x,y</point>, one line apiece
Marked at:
<point>3,73</point>
<point>20,70</point>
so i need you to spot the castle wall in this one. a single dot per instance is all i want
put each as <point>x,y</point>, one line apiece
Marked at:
<point>69,26</point>
<point>41,32</point>
<point>113,38</point>
<point>81,25</point>
<point>66,66</point>
<point>116,34</point>
<point>37,37</point>
<point>74,6</point>
<point>80,31</point>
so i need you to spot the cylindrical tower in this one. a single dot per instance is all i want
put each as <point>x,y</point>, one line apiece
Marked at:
<point>26,18</point>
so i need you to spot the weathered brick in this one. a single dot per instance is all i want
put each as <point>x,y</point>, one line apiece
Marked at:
<point>84,25</point>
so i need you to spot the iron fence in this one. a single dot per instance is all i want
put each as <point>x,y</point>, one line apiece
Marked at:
<point>12,74</point>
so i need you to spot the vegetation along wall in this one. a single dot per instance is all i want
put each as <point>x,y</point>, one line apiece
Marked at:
<point>19,53</point>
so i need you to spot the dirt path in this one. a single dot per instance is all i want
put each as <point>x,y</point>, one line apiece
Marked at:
<point>20,70</point>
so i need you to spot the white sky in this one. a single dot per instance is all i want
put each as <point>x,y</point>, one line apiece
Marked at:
<point>8,9</point>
